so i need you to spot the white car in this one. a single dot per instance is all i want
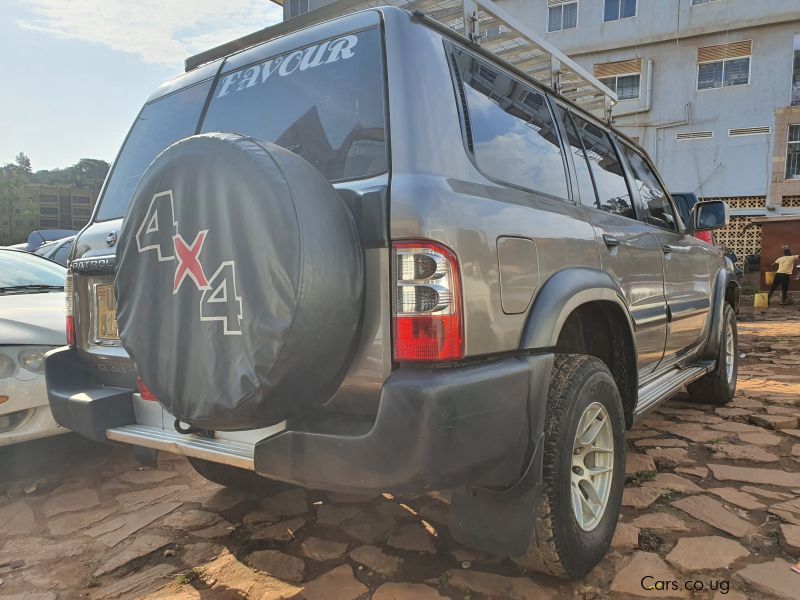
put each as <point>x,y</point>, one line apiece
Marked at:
<point>31,323</point>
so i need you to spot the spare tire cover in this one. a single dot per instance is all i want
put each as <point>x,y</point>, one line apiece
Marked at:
<point>239,282</point>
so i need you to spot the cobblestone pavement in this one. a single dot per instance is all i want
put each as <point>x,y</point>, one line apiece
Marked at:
<point>713,498</point>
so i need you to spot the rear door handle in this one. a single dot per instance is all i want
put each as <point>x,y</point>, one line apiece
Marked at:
<point>610,240</point>
<point>667,249</point>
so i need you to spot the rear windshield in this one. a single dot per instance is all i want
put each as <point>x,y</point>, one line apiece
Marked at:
<point>324,102</point>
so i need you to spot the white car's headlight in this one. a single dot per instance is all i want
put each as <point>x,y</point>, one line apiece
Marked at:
<point>32,359</point>
<point>7,366</point>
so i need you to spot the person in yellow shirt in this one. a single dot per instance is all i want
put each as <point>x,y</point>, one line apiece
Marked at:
<point>784,271</point>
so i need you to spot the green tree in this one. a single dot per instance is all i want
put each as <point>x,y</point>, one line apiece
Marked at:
<point>15,209</point>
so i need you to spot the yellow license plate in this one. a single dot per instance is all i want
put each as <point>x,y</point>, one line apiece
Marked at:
<point>106,313</point>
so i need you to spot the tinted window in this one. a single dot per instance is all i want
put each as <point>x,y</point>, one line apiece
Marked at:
<point>21,268</point>
<point>513,133</point>
<point>657,209</point>
<point>160,124</point>
<point>579,159</point>
<point>324,102</point>
<point>609,177</point>
<point>62,254</point>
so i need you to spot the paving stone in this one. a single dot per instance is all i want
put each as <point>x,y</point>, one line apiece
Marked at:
<point>730,594</point>
<point>145,476</point>
<point>277,564</point>
<point>638,434</point>
<point>706,553</point>
<point>737,497</point>
<point>141,546</point>
<point>31,596</point>
<point>230,579</point>
<point>285,504</point>
<point>406,591</point>
<point>711,511</point>
<point>790,539</point>
<point>72,522</point>
<point>495,586</point>
<point>626,537</point>
<point>337,584</point>
<point>322,550</point>
<point>667,458</point>
<point>333,516</point>
<point>705,419</point>
<point>137,584</point>
<point>639,497</point>
<point>731,413</point>
<point>635,462</point>
<point>140,498</point>
<point>370,529</point>
<point>213,497</point>
<point>740,452</point>
<point>629,579</point>
<point>772,495</point>
<point>16,518</point>
<point>660,443</point>
<point>796,450</point>
<point>190,520</point>
<point>393,510</point>
<point>755,475</point>
<point>760,439</point>
<point>746,403</point>
<point>792,432</point>
<point>467,555</point>
<point>39,550</point>
<point>342,498</point>
<point>659,521</point>
<point>733,427</point>
<point>375,559</point>
<point>412,537</point>
<point>775,578</point>
<point>774,421</point>
<point>696,433</point>
<point>279,532</point>
<point>220,529</point>
<point>112,531</point>
<point>70,502</point>
<point>789,510</point>
<point>696,471</point>
<point>790,411</point>
<point>199,553</point>
<point>672,482</point>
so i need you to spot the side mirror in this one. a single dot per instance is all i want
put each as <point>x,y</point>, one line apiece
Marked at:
<point>711,214</point>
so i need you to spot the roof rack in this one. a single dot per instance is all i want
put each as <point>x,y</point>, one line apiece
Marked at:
<point>478,21</point>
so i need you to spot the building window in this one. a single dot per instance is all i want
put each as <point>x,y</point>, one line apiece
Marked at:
<point>699,2</point>
<point>793,153</point>
<point>626,86</point>
<point>724,65</point>
<point>796,72</point>
<point>619,9</point>
<point>623,77</point>
<point>562,15</point>
<point>298,7</point>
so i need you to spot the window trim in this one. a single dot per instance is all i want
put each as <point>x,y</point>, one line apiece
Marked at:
<point>692,3</point>
<point>465,122</point>
<point>724,61</point>
<point>561,6</point>
<point>619,13</point>
<point>790,143</point>
<point>641,212</point>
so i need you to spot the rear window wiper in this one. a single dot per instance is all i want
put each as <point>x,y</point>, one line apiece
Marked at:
<point>30,287</point>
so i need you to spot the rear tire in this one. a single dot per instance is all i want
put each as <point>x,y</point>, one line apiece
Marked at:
<point>234,477</point>
<point>719,386</point>
<point>571,535</point>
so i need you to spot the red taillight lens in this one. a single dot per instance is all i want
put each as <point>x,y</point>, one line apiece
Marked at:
<point>145,392</point>
<point>428,314</point>
<point>71,331</point>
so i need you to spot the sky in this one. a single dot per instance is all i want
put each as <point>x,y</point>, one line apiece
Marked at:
<point>76,72</point>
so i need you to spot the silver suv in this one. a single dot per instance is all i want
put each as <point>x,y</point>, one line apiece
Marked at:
<point>369,256</point>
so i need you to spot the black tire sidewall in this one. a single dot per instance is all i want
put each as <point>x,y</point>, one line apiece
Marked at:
<point>729,320</point>
<point>582,548</point>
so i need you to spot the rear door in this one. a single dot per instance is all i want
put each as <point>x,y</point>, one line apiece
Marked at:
<point>686,279</point>
<point>629,251</point>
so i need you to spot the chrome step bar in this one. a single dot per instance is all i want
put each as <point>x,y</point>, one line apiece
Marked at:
<point>665,386</point>
<point>236,454</point>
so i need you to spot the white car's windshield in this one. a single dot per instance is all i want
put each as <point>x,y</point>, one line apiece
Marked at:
<point>22,273</point>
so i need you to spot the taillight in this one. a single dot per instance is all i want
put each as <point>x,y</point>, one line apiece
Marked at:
<point>145,392</point>
<point>428,312</point>
<point>68,306</point>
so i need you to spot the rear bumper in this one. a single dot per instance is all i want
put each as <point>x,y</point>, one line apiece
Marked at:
<point>474,425</point>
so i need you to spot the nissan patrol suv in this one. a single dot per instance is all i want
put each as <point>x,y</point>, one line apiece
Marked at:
<point>370,256</point>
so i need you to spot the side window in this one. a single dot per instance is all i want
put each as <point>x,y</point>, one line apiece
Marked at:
<point>613,195</point>
<point>514,136</point>
<point>62,254</point>
<point>657,209</point>
<point>579,159</point>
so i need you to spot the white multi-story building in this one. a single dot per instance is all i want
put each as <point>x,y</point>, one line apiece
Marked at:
<point>711,88</point>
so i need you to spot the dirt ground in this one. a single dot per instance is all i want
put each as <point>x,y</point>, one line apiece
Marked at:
<point>712,505</point>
